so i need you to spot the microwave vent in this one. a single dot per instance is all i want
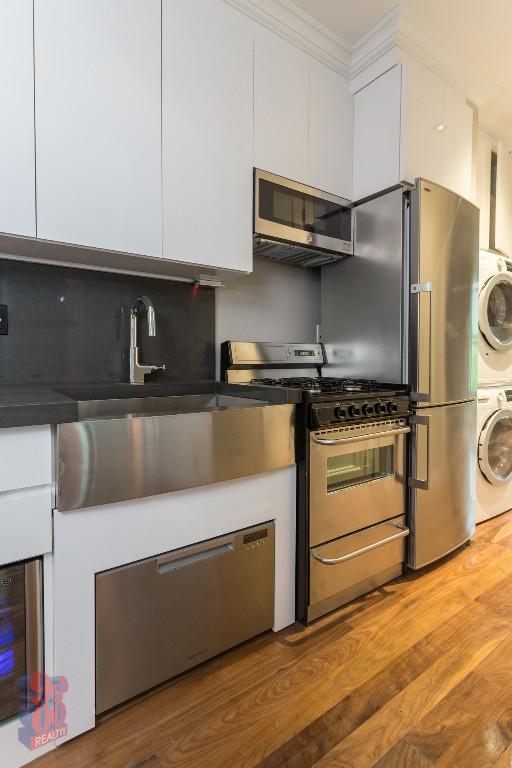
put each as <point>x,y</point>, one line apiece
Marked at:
<point>294,254</point>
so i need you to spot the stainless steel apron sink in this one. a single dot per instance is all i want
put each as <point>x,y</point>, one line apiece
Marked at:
<point>129,448</point>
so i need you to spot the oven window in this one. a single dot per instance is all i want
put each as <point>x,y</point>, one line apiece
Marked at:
<point>359,467</point>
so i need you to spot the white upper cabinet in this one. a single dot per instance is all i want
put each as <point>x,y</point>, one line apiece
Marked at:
<point>458,118</point>
<point>377,134</point>
<point>503,235</point>
<point>281,108</point>
<point>409,123</point>
<point>303,117</point>
<point>98,123</point>
<point>484,148</point>
<point>17,158</point>
<point>207,133</point>
<point>422,120</point>
<point>330,141</point>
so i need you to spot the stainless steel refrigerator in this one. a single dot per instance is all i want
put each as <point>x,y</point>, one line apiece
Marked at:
<point>404,309</point>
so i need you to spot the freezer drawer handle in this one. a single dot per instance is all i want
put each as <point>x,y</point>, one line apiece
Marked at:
<point>403,532</point>
<point>358,438</point>
<point>421,485</point>
<point>176,560</point>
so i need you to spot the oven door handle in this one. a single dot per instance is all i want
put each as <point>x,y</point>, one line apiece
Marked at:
<point>358,438</point>
<point>403,532</point>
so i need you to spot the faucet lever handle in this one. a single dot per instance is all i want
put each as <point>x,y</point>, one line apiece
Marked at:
<point>157,367</point>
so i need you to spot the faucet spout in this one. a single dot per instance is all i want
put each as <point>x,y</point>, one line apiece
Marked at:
<point>137,370</point>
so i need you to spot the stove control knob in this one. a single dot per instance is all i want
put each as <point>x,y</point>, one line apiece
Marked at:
<point>381,408</point>
<point>340,412</point>
<point>368,409</point>
<point>354,411</point>
<point>392,407</point>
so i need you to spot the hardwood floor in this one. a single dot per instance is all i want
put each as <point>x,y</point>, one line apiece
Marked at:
<point>417,674</point>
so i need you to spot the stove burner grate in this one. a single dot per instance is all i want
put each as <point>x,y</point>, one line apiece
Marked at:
<point>327,385</point>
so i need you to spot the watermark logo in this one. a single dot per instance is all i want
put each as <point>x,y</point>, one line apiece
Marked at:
<point>47,722</point>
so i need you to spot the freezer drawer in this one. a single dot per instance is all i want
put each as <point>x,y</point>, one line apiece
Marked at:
<point>443,482</point>
<point>348,567</point>
<point>158,617</point>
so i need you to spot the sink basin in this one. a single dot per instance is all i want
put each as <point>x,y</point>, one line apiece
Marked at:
<point>153,406</point>
<point>129,448</point>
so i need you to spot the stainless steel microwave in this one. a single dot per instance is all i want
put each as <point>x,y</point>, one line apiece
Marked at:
<point>299,224</point>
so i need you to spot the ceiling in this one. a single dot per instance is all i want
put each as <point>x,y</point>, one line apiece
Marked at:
<point>478,32</point>
<point>348,19</point>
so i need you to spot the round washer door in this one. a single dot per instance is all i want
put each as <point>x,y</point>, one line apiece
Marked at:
<point>495,448</point>
<point>495,311</point>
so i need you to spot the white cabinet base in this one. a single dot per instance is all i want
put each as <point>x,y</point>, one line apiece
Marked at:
<point>91,540</point>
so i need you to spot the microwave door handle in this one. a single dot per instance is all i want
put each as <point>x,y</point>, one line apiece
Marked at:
<point>403,532</point>
<point>359,438</point>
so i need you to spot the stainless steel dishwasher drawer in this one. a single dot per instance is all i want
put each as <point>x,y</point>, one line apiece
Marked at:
<point>352,565</point>
<point>158,617</point>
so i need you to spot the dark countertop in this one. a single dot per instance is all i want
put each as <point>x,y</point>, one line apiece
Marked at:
<point>30,405</point>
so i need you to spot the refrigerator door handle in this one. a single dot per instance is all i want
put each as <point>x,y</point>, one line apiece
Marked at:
<point>424,341</point>
<point>421,451</point>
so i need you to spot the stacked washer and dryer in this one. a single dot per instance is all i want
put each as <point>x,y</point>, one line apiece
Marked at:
<point>494,480</point>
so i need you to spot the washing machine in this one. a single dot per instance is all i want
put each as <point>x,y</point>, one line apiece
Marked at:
<point>494,472</point>
<point>495,320</point>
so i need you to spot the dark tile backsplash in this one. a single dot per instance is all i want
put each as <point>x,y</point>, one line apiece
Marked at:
<point>71,325</point>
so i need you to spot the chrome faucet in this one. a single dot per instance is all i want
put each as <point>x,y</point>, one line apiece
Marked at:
<point>137,370</point>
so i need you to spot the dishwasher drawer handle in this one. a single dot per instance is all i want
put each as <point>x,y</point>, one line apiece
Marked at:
<point>403,532</point>
<point>169,563</point>
<point>358,438</point>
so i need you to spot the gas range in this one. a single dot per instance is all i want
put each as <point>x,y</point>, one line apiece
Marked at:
<point>337,400</point>
<point>351,440</point>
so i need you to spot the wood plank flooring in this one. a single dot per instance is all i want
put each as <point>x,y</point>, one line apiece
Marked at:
<point>415,675</point>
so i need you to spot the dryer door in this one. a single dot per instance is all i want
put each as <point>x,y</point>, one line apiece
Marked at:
<point>495,311</point>
<point>495,447</point>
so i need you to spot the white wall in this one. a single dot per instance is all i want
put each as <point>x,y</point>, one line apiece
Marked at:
<point>274,303</point>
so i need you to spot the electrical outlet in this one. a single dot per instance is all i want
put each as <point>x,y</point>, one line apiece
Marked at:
<point>4,320</point>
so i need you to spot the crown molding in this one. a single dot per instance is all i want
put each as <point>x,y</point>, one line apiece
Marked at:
<point>419,42</point>
<point>297,27</point>
<point>378,42</point>
<point>398,35</point>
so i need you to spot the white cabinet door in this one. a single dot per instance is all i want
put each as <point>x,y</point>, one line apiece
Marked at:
<point>377,134</point>
<point>26,524</point>
<point>207,134</point>
<point>422,119</point>
<point>98,123</point>
<point>17,151</point>
<point>25,457</point>
<point>281,108</point>
<point>330,132</point>
<point>457,143</point>
<point>437,131</point>
<point>504,200</point>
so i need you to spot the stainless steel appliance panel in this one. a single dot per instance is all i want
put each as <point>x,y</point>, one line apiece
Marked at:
<point>443,302</point>
<point>362,319</point>
<point>158,617</point>
<point>443,492</point>
<point>108,460</point>
<point>357,477</point>
<point>348,567</point>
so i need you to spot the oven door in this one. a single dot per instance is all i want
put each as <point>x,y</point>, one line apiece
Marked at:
<point>357,478</point>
